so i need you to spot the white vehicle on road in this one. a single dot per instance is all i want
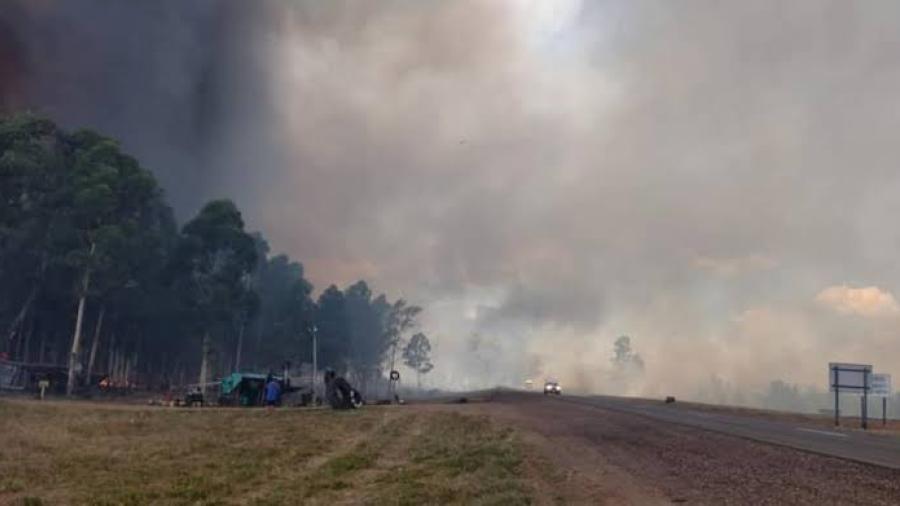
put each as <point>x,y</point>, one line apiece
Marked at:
<point>552,387</point>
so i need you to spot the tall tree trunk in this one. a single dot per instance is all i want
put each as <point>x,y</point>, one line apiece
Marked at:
<point>204,359</point>
<point>117,368</point>
<point>126,374</point>
<point>18,350</point>
<point>55,347</point>
<point>19,320</point>
<point>97,329</point>
<point>240,346</point>
<point>79,319</point>
<point>259,338</point>
<point>117,365</point>
<point>111,356</point>
<point>123,366</point>
<point>29,334</point>
<point>134,364</point>
<point>43,348</point>
<point>32,296</point>
<point>26,338</point>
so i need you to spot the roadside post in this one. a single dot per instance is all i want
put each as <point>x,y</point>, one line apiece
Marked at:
<point>881,387</point>
<point>315,363</point>
<point>865,400</point>
<point>394,379</point>
<point>853,378</point>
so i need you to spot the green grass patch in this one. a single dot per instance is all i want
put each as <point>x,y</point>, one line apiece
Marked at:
<point>458,459</point>
<point>89,453</point>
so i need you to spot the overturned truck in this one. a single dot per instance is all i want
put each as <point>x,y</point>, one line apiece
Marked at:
<point>339,392</point>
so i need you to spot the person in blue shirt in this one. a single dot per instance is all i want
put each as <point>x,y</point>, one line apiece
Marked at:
<point>273,394</point>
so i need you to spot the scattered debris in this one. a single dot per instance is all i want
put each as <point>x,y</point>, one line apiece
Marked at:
<point>194,398</point>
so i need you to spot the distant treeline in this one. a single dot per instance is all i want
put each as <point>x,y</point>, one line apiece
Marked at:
<point>95,274</point>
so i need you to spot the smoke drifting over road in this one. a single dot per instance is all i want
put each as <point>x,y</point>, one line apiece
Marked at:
<point>718,181</point>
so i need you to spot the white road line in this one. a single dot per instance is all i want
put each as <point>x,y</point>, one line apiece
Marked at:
<point>823,432</point>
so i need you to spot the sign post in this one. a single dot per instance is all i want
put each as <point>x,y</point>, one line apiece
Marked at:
<point>849,378</point>
<point>881,387</point>
<point>865,400</point>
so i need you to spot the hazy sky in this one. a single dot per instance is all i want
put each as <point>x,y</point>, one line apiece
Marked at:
<point>718,180</point>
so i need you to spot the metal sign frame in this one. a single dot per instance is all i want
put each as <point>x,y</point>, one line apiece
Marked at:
<point>880,385</point>
<point>849,381</point>
<point>834,378</point>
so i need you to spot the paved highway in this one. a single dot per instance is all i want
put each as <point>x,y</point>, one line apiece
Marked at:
<point>631,451</point>
<point>881,450</point>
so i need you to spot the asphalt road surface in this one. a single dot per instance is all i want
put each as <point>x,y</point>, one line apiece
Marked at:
<point>876,449</point>
<point>623,451</point>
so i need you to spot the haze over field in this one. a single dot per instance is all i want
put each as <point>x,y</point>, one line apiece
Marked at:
<point>718,181</point>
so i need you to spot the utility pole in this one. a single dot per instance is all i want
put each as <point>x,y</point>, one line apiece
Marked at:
<point>315,371</point>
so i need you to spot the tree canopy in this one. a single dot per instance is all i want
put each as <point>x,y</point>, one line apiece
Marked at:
<point>96,276</point>
<point>417,355</point>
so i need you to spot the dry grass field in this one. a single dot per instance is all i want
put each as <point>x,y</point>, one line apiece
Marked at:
<point>92,453</point>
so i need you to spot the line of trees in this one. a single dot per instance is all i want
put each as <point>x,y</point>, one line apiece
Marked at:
<point>95,274</point>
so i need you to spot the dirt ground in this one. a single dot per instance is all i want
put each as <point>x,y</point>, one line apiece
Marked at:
<point>497,448</point>
<point>615,458</point>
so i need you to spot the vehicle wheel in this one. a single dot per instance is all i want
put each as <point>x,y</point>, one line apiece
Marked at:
<point>356,400</point>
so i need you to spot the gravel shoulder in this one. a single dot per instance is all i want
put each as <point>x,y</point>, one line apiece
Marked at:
<point>606,457</point>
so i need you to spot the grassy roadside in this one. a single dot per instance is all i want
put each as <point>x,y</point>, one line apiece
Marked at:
<point>81,453</point>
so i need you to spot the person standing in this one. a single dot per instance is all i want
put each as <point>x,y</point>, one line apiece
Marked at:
<point>273,393</point>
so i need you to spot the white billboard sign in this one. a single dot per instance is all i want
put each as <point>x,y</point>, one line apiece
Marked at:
<point>880,385</point>
<point>849,377</point>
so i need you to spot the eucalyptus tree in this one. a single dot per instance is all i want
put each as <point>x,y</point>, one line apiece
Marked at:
<point>112,196</point>
<point>366,317</point>
<point>332,329</point>
<point>33,188</point>
<point>131,286</point>
<point>87,241</point>
<point>401,319</point>
<point>287,312</point>
<point>417,356</point>
<point>213,259</point>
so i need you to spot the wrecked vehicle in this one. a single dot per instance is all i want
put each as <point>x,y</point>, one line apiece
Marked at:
<point>339,393</point>
<point>243,389</point>
<point>248,389</point>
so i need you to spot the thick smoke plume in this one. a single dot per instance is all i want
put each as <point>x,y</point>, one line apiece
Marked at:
<point>716,180</point>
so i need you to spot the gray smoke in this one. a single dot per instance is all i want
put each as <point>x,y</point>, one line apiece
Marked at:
<point>172,79</point>
<point>716,180</point>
